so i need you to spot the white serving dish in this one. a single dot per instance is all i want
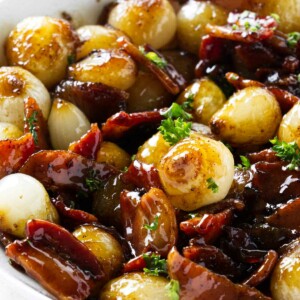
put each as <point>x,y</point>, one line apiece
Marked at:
<point>15,285</point>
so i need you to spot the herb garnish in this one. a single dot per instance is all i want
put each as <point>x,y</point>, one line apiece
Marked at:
<point>32,126</point>
<point>173,289</point>
<point>175,127</point>
<point>293,38</point>
<point>154,225</point>
<point>174,130</point>
<point>155,265</point>
<point>211,184</point>
<point>245,163</point>
<point>154,58</point>
<point>289,152</point>
<point>92,182</point>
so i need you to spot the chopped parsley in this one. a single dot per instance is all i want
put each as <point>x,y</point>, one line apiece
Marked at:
<point>245,163</point>
<point>92,182</point>
<point>177,111</point>
<point>174,130</point>
<point>188,103</point>
<point>153,225</point>
<point>298,77</point>
<point>32,120</point>
<point>292,39</point>
<point>155,265</point>
<point>289,152</point>
<point>175,127</point>
<point>154,58</point>
<point>211,184</point>
<point>173,289</point>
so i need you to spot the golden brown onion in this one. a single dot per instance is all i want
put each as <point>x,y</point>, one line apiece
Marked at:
<point>152,22</point>
<point>190,169</point>
<point>42,45</point>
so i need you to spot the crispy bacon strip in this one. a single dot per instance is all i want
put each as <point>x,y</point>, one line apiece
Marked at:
<point>117,125</point>
<point>35,123</point>
<point>65,170</point>
<point>89,144</point>
<point>13,153</point>
<point>163,77</point>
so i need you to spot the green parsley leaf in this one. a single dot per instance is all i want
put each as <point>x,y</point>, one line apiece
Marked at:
<point>153,225</point>
<point>174,130</point>
<point>289,152</point>
<point>154,58</point>
<point>173,289</point>
<point>211,184</point>
<point>275,17</point>
<point>188,103</point>
<point>32,123</point>
<point>92,182</point>
<point>155,265</point>
<point>293,38</point>
<point>298,77</point>
<point>176,111</point>
<point>245,163</point>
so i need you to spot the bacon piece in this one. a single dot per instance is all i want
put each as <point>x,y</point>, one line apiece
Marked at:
<point>13,153</point>
<point>240,82</point>
<point>98,101</point>
<point>64,242</point>
<point>89,144</point>
<point>197,282</point>
<point>244,27</point>
<point>136,264</point>
<point>65,170</point>
<point>286,216</point>
<point>170,85</point>
<point>211,48</point>
<point>70,217</point>
<point>35,123</point>
<point>267,155</point>
<point>117,125</point>
<point>214,259</point>
<point>154,208</point>
<point>285,99</point>
<point>273,183</point>
<point>208,226</point>
<point>264,270</point>
<point>50,250</point>
<point>142,175</point>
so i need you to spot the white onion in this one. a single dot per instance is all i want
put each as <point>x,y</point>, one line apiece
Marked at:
<point>67,123</point>
<point>22,198</point>
<point>16,85</point>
